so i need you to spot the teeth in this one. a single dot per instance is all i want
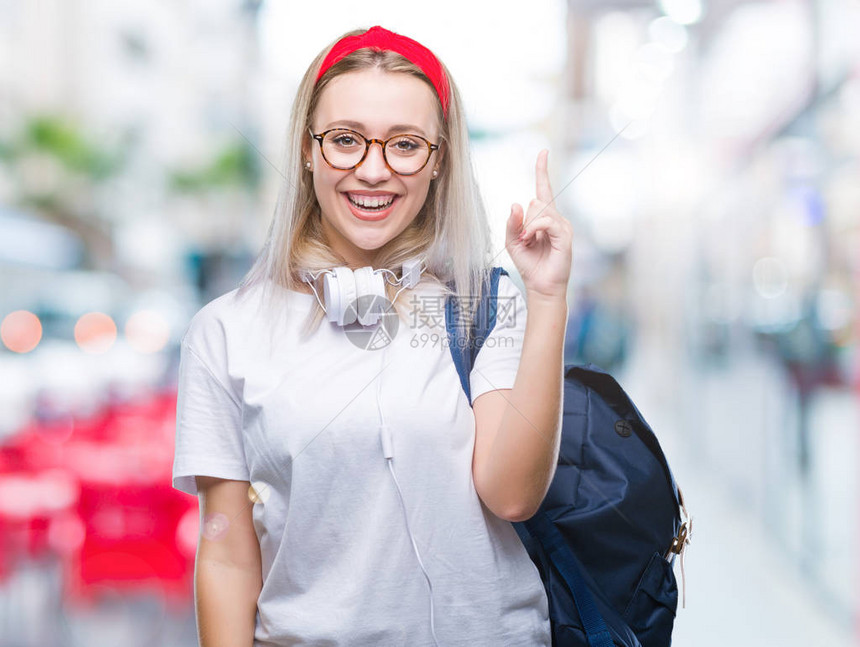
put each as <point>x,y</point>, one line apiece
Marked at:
<point>371,202</point>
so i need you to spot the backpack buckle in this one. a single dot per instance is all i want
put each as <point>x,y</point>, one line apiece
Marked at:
<point>682,538</point>
<point>679,543</point>
<point>684,532</point>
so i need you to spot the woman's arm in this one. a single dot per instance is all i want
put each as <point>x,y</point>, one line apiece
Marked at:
<point>227,572</point>
<point>518,430</point>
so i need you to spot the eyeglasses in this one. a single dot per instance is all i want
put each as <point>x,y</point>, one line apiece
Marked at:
<point>345,149</point>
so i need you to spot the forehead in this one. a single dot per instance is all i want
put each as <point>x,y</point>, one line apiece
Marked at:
<point>377,100</point>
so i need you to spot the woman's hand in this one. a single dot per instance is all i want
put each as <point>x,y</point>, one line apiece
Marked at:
<point>541,243</point>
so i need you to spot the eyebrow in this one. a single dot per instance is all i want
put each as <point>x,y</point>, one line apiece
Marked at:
<point>397,128</point>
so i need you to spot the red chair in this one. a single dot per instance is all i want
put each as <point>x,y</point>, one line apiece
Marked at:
<point>130,511</point>
<point>100,499</point>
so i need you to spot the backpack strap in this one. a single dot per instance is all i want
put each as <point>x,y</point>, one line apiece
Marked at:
<point>482,324</point>
<point>543,529</point>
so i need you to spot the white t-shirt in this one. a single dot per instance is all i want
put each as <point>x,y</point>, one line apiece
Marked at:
<point>299,419</point>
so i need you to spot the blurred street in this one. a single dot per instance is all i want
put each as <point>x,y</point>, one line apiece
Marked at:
<point>743,585</point>
<point>707,154</point>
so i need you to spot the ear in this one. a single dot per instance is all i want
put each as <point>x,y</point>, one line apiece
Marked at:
<point>307,140</point>
<point>308,143</point>
<point>440,155</point>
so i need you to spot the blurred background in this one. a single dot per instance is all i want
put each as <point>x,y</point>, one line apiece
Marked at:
<point>706,151</point>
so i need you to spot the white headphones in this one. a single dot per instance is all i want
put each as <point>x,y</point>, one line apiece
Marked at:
<point>343,289</point>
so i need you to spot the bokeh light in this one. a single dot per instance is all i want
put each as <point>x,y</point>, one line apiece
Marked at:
<point>188,531</point>
<point>770,277</point>
<point>147,331</point>
<point>21,331</point>
<point>684,12</point>
<point>95,332</point>
<point>66,533</point>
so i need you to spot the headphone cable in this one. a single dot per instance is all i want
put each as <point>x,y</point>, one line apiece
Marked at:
<point>388,451</point>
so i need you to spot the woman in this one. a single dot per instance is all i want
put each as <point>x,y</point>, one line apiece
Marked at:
<point>337,514</point>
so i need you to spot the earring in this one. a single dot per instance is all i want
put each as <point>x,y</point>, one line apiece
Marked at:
<point>308,165</point>
<point>435,172</point>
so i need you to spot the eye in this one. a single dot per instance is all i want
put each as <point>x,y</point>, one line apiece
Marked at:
<point>405,144</point>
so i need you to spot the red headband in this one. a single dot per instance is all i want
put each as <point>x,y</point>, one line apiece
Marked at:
<point>382,39</point>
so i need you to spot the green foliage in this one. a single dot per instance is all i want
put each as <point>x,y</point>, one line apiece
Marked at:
<point>64,141</point>
<point>6,151</point>
<point>236,165</point>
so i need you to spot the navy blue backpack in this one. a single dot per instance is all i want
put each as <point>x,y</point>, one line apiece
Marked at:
<point>606,535</point>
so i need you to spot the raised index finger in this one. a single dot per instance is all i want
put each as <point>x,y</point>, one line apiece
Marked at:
<point>544,190</point>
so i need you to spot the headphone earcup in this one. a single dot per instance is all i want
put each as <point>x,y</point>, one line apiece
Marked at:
<point>339,294</point>
<point>371,286</point>
<point>361,294</point>
<point>377,281</point>
<point>331,296</point>
<point>347,298</point>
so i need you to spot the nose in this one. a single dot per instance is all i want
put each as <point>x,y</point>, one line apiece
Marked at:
<point>373,169</point>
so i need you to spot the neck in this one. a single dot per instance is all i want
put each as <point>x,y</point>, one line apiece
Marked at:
<point>354,257</point>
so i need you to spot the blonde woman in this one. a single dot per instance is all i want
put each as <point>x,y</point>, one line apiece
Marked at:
<point>349,493</point>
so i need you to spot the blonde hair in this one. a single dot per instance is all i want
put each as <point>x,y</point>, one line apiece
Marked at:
<point>450,232</point>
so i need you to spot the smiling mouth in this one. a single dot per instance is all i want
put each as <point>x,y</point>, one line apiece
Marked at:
<point>371,203</point>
